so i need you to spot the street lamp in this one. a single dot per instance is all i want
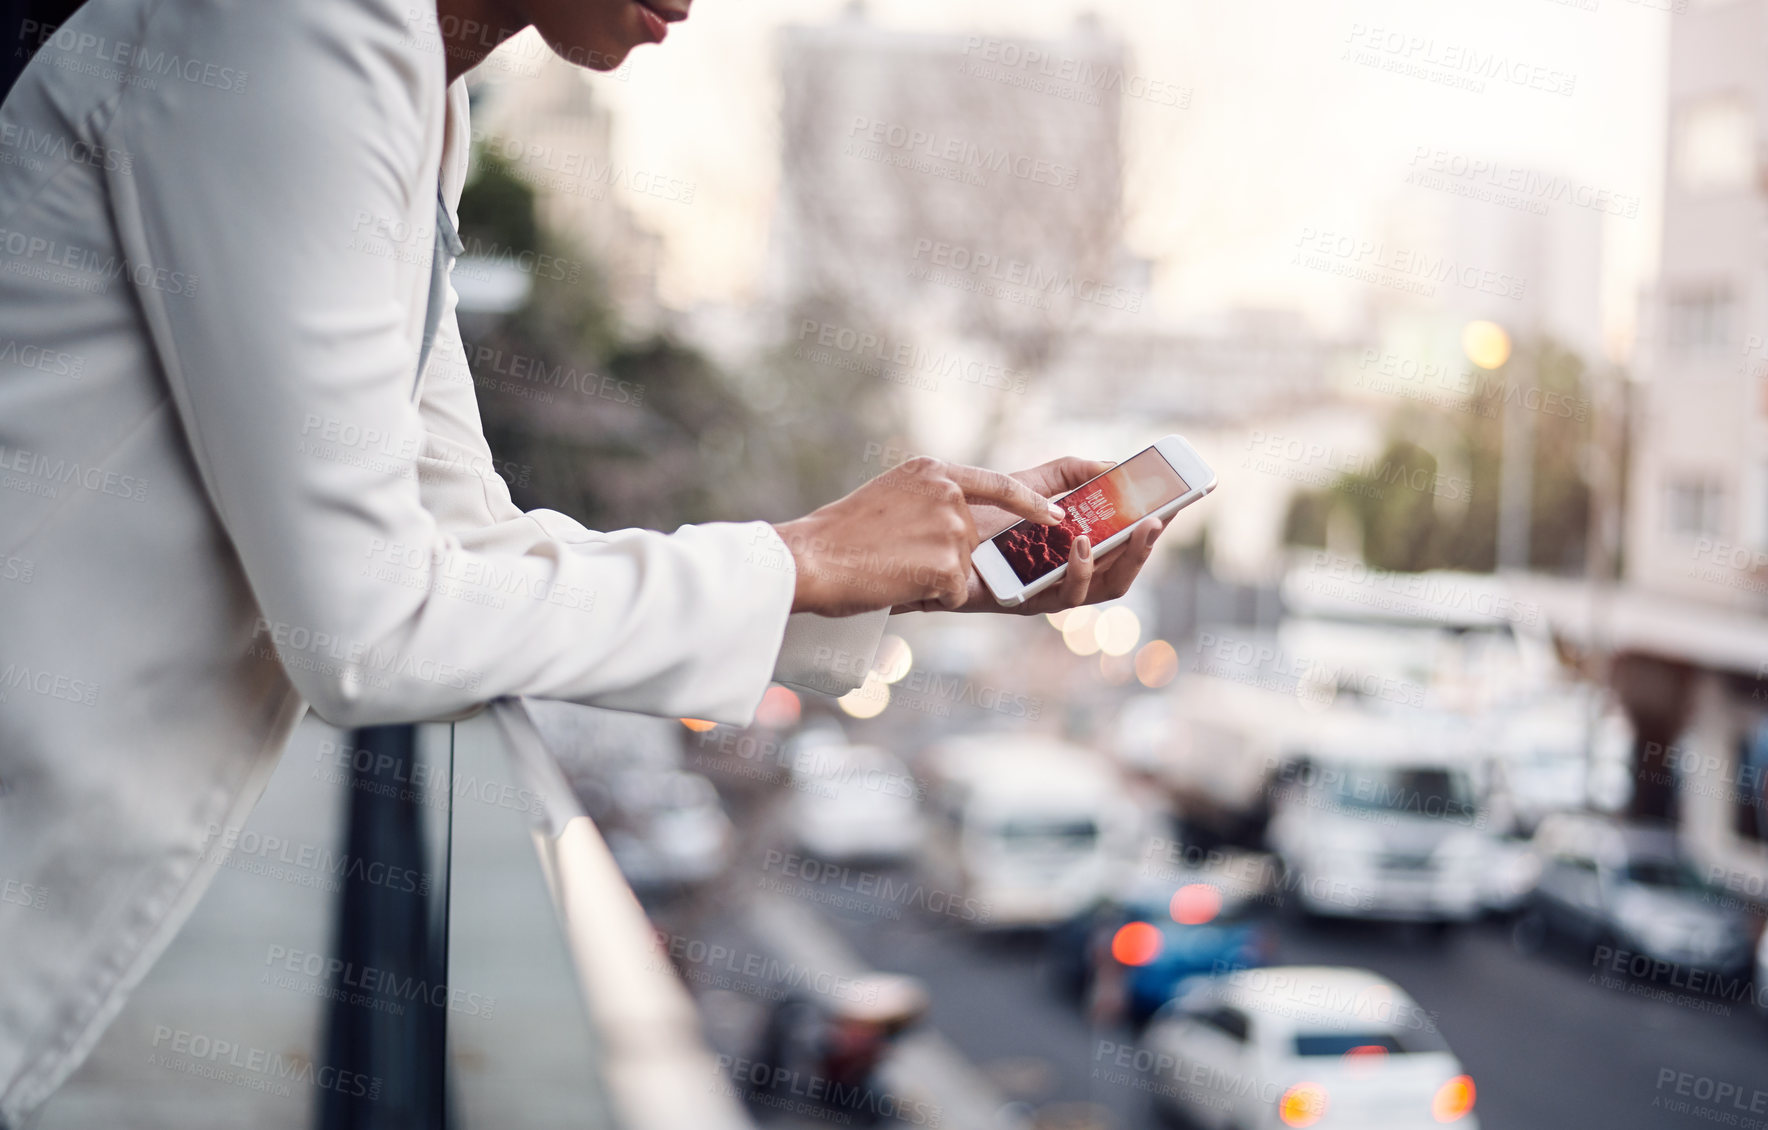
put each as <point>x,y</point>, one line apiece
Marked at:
<point>1487,346</point>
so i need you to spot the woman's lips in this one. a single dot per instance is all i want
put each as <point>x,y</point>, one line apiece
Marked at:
<point>654,23</point>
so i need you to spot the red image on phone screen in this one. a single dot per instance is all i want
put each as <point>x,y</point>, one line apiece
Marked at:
<point>1099,508</point>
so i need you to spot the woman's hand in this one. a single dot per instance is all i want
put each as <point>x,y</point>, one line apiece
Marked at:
<point>904,539</point>
<point>1087,581</point>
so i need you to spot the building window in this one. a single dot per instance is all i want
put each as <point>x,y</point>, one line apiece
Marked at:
<point>1716,145</point>
<point>1750,788</point>
<point>1700,318</point>
<point>1696,508</point>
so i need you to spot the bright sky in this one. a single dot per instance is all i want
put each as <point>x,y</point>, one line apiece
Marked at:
<point>1283,131</point>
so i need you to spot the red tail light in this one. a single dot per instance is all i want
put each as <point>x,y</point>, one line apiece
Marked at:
<point>1454,1099</point>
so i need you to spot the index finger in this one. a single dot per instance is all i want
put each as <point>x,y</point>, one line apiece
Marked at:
<point>982,485</point>
<point>1064,474</point>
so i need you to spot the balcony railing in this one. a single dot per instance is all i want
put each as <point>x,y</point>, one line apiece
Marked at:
<point>416,927</point>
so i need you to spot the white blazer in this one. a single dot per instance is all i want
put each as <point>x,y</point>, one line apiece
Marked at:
<point>226,493</point>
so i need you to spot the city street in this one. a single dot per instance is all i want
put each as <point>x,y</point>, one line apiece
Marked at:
<point>1551,1040</point>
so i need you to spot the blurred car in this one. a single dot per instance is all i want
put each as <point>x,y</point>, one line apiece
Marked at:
<point>669,829</point>
<point>1028,828</point>
<point>1760,984</point>
<point>854,803</point>
<point>1381,821</point>
<point>1508,881</point>
<point>1141,944</point>
<point>1303,1046</point>
<point>1610,882</point>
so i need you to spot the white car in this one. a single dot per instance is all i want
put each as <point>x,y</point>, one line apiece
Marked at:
<point>1297,1046</point>
<point>854,803</point>
<point>1029,829</point>
<point>670,829</point>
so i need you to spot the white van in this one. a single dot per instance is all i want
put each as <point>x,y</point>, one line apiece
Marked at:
<point>1029,829</point>
<point>1381,819</point>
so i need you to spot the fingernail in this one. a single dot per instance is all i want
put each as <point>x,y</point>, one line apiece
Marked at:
<point>1057,513</point>
<point>1085,545</point>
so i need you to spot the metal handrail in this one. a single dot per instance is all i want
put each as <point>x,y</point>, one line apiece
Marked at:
<point>658,1071</point>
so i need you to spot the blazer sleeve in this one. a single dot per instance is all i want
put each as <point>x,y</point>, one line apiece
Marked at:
<point>826,655</point>
<point>291,369</point>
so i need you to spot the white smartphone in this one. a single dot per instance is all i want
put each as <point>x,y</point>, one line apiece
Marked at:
<point>1024,560</point>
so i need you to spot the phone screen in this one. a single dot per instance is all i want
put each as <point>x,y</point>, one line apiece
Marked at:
<point>1098,508</point>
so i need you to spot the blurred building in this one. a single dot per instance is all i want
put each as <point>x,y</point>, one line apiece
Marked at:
<point>1687,626</point>
<point>906,153</point>
<point>541,116</point>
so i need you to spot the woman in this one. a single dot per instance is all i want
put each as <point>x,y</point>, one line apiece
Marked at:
<point>244,471</point>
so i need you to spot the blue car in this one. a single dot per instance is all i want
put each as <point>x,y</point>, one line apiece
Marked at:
<point>1127,955</point>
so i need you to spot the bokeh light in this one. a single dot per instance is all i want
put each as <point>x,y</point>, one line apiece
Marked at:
<point>779,709</point>
<point>1157,664</point>
<point>1077,630</point>
<point>1302,1105</point>
<point>1486,344</point>
<point>1136,943</point>
<point>1195,903</point>
<point>867,701</point>
<point>1454,1099</point>
<point>1118,630</point>
<point>894,659</point>
<point>1116,670</point>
